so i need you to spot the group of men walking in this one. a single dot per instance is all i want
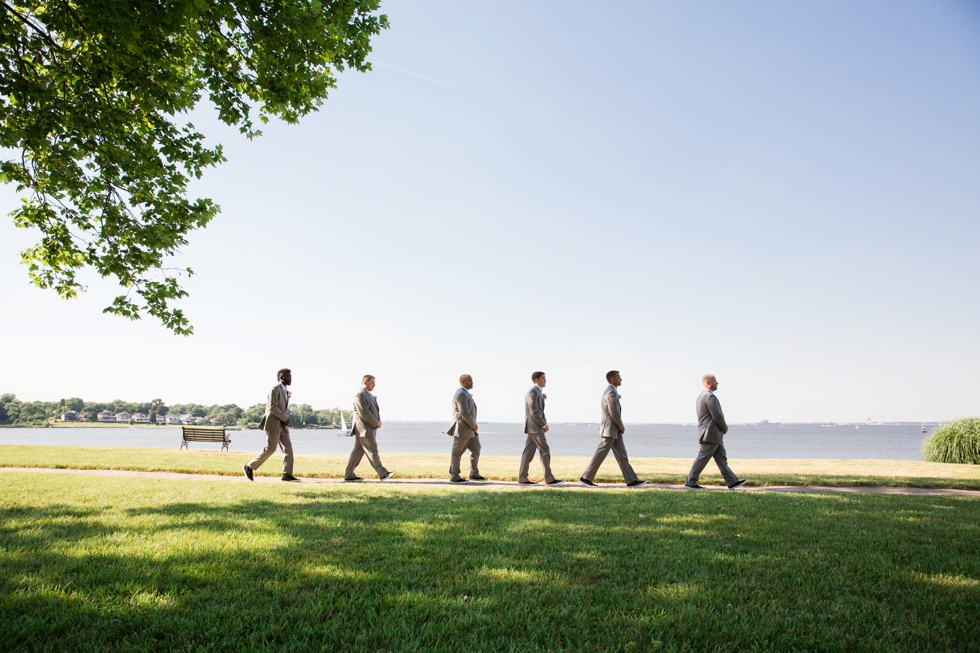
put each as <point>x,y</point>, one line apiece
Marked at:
<point>464,430</point>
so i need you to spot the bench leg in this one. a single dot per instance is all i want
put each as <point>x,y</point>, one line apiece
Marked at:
<point>224,446</point>
<point>183,445</point>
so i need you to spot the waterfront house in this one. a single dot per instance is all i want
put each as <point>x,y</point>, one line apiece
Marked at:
<point>106,416</point>
<point>159,419</point>
<point>172,419</point>
<point>215,421</point>
<point>140,418</point>
<point>123,417</point>
<point>186,418</point>
<point>200,420</point>
<point>70,416</point>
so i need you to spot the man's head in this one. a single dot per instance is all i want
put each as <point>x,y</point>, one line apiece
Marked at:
<point>539,379</point>
<point>368,382</point>
<point>285,376</point>
<point>466,381</point>
<point>614,378</point>
<point>710,382</point>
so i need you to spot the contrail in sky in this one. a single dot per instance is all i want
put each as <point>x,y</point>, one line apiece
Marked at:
<point>437,81</point>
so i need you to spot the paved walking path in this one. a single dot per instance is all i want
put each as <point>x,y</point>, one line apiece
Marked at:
<point>495,485</point>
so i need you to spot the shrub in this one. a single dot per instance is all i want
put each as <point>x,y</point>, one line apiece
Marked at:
<point>956,442</point>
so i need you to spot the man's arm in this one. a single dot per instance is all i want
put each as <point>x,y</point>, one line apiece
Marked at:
<point>614,412</point>
<point>463,404</point>
<point>364,411</point>
<point>714,407</point>
<point>534,409</point>
<point>274,405</point>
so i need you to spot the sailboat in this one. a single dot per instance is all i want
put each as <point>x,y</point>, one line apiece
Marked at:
<point>923,427</point>
<point>344,431</point>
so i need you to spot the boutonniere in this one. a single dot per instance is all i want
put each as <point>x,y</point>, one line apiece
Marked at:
<point>544,396</point>
<point>288,393</point>
<point>619,396</point>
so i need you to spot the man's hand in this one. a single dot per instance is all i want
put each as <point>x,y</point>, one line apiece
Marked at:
<point>476,427</point>
<point>378,426</point>
<point>621,431</point>
<point>545,429</point>
<point>286,423</point>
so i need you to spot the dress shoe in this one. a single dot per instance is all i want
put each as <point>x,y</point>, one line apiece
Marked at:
<point>477,478</point>
<point>527,482</point>
<point>355,479</point>
<point>557,481</point>
<point>387,476</point>
<point>694,487</point>
<point>248,473</point>
<point>587,482</point>
<point>738,484</point>
<point>458,479</point>
<point>636,483</point>
<point>289,478</point>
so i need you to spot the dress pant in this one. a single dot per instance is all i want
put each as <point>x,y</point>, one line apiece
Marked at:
<point>270,448</point>
<point>365,445</point>
<point>619,450</point>
<point>708,451</point>
<point>536,442</point>
<point>460,445</point>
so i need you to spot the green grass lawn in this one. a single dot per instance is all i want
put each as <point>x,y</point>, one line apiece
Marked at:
<point>90,563</point>
<point>894,473</point>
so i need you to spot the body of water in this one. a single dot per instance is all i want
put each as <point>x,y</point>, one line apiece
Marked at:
<point>844,441</point>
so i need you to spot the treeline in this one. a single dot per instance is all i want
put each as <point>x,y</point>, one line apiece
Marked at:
<point>40,413</point>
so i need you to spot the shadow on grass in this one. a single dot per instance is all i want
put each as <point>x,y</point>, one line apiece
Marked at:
<point>345,569</point>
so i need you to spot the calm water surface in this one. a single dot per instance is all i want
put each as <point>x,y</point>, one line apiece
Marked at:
<point>846,441</point>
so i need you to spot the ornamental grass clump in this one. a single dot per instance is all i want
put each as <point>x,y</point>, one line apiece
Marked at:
<point>956,442</point>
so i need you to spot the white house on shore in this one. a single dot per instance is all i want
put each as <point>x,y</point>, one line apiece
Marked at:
<point>123,417</point>
<point>106,416</point>
<point>186,418</point>
<point>70,416</point>
<point>173,419</point>
<point>140,418</point>
<point>160,419</point>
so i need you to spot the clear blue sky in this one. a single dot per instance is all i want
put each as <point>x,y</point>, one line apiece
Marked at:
<point>784,194</point>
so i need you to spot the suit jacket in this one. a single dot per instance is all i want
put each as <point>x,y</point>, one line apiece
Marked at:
<point>464,415</point>
<point>367,414</point>
<point>711,421</point>
<point>612,414</point>
<point>276,411</point>
<point>534,419</point>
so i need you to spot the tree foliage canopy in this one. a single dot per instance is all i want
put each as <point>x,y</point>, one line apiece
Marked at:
<point>91,98</point>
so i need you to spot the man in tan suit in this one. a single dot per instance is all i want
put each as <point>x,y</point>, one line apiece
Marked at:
<point>366,421</point>
<point>712,428</point>
<point>464,432</point>
<point>536,425</point>
<point>611,431</point>
<point>275,422</point>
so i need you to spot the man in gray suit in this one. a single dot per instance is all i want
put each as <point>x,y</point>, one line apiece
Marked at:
<point>536,425</point>
<point>366,421</point>
<point>611,431</point>
<point>711,434</point>
<point>275,423</point>
<point>464,432</point>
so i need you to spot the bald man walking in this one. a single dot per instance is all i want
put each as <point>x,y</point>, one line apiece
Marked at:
<point>464,432</point>
<point>711,435</point>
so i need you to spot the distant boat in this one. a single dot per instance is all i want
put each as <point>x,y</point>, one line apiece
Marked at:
<point>923,427</point>
<point>344,431</point>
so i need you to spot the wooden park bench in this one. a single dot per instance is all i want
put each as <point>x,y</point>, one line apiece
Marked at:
<point>204,434</point>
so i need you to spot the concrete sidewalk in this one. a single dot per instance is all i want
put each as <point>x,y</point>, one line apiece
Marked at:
<point>496,485</point>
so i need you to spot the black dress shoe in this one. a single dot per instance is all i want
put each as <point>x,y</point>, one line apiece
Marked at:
<point>458,479</point>
<point>738,484</point>
<point>289,478</point>
<point>353,480</point>
<point>557,481</point>
<point>694,487</point>
<point>636,483</point>
<point>526,482</point>
<point>477,478</point>
<point>248,473</point>
<point>387,476</point>
<point>587,482</point>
